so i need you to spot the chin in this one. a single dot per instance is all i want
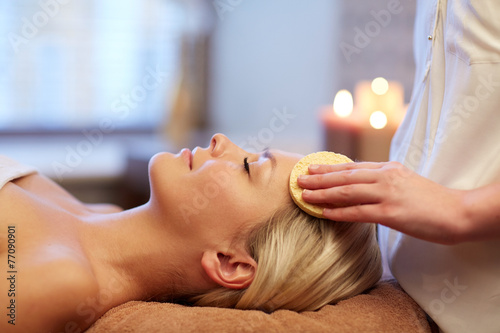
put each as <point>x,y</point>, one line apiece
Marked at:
<point>166,173</point>
<point>159,169</point>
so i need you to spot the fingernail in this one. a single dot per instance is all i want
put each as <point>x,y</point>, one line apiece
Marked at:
<point>302,177</point>
<point>313,167</point>
<point>306,192</point>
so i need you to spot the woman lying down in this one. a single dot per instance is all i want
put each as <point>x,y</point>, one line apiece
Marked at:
<point>220,229</point>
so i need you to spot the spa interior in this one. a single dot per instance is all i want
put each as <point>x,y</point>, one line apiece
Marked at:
<point>91,90</point>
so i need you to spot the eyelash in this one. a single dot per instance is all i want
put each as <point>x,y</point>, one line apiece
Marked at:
<point>246,166</point>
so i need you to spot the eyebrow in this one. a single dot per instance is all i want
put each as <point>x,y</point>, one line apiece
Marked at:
<point>267,154</point>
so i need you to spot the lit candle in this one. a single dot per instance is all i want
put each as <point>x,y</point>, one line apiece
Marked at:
<point>342,125</point>
<point>378,120</point>
<point>380,95</point>
<point>343,103</point>
<point>363,130</point>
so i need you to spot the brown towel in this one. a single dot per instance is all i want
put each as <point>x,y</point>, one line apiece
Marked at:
<point>386,308</point>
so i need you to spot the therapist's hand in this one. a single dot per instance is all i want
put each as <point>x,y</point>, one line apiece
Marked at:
<point>389,194</point>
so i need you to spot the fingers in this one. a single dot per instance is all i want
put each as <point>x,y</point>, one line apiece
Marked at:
<point>360,213</point>
<point>321,181</point>
<point>375,214</point>
<point>323,168</point>
<point>344,195</point>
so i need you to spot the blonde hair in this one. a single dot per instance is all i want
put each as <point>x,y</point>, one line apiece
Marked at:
<point>304,263</point>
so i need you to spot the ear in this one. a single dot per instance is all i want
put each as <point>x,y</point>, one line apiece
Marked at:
<point>234,270</point>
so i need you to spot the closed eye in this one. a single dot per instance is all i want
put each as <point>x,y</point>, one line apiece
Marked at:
<point>246,166</point>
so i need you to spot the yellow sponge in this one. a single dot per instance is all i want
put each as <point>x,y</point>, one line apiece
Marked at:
<point>301,168</point>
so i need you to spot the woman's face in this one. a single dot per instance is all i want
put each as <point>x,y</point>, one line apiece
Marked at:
<point>211,193</point>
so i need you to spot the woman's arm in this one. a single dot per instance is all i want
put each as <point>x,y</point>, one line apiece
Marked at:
<point>392,195</point>
<point>482,207</point>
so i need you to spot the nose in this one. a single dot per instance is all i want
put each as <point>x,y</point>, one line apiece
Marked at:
<point>220,148</point>
<point>220,145</point>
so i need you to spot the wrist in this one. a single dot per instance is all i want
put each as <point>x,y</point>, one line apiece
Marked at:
<point>481,213</point>
<point>468,215</point>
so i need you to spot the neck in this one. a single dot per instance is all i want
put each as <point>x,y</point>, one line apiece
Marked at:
<point>138,255</point>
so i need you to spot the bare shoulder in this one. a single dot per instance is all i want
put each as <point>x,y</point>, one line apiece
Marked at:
<point>47,188</point>
<point>51,296</point>
<point>104,208</point>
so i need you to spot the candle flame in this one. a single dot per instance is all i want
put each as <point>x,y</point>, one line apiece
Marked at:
<point>380,86</point>
<point>343,103</point>
<point>378,120</point>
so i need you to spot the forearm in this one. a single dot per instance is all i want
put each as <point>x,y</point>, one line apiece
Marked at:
<point>392,195</point>
<point>482,210</point>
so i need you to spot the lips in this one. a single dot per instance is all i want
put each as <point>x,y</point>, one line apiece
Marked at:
<point>188,157</point>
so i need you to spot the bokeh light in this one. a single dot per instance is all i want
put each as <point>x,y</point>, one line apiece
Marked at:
<point>380,86</point>
<point>378,120</point>
<point>343,103</point>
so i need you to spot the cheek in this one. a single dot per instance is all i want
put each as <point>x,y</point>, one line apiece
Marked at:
<point>231,202</point>
<point>209,216</point>
<point>216,183</point>
<point>210,194</point>
<point>217,215</point>
<point>202,195</point>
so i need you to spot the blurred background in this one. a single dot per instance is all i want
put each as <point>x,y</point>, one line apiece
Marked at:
<point>90,90</point>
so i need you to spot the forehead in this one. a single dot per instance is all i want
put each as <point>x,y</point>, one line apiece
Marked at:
<point>270,192</point>
<point>285,162</point>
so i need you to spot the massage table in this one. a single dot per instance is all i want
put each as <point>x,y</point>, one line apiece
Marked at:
<point>385,308</point>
